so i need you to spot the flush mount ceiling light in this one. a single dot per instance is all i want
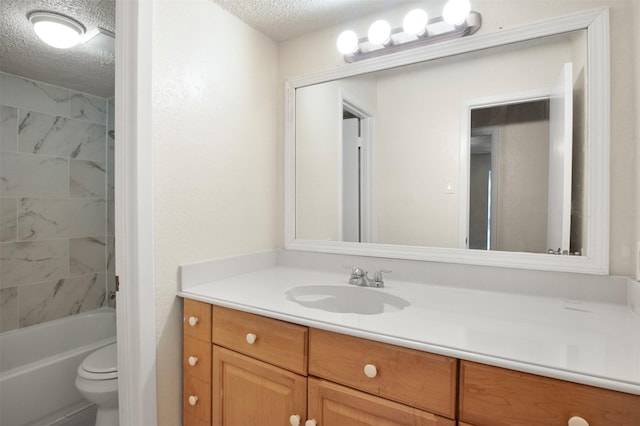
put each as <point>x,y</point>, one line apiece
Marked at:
<point>56,30</point>
<point>457,20</point>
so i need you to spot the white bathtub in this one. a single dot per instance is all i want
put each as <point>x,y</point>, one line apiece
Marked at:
<point>38,365</point>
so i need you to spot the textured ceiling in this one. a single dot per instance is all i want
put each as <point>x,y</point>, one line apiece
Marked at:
<point>83,68</point>
<point>284,19</point>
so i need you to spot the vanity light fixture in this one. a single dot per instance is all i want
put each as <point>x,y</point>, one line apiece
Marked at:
<point>457,20</point>
<point>56,30</point>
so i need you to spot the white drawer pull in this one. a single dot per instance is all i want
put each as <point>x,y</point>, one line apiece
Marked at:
<point>294,420</point>
<point>577,421</point>
<point>193,321</point>
<point>193,360</point>
<point>251,338</point>
<point>370,371</point>
<point>310,423</point>
<point>193,400</point>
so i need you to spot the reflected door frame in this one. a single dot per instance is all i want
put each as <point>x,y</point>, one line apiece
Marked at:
<point>368,220</point>
<point>465,145</point>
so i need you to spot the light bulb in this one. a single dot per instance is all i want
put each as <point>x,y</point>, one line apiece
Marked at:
<point>379,32</point>
<point>415,22</point>
<point>455,12</point>
<point>347,42</point>
<point>56,30</point>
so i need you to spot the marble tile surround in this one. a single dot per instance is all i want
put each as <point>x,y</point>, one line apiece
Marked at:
<point>56,202</point>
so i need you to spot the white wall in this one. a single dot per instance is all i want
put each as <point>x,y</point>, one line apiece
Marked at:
<point>215,178</point>
<point>316,51</point>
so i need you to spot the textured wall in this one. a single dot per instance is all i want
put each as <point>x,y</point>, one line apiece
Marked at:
<point>214,115</point>
<point>53,205</point>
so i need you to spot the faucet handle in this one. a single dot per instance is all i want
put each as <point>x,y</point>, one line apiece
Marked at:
<point>377,277</point>
<point>355,271</point>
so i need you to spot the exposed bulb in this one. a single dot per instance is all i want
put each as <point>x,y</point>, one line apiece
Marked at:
<point>415,22</point>
<point>455,12</point>
<point>379,32</point>
<point>347,42</point>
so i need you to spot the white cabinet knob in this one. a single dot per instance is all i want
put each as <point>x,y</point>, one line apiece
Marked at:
<point>193,360</point>
<point>577,421</point>
<point>193,321</point>
<point>310,423</point>
<point>193,400</point>
<point>294,420</point>
<point>251,338</point>
<point>370,371</point>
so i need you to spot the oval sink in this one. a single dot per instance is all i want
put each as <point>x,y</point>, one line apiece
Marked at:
<point>346,299</point>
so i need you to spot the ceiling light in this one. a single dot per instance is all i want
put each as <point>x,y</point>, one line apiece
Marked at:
<point>415,22</point>
<point>56,30</point>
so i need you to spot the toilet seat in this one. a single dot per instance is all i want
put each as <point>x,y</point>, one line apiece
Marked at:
<point>100,365</point>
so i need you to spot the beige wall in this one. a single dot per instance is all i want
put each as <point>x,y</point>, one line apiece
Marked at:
<point>316,51</point>
<point>214,126</point>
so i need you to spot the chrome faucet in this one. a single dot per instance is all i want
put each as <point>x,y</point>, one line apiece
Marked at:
<point>361,278</point>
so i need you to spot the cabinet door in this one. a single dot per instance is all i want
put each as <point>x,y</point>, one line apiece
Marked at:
<point>250,392</point>
<point>331,404</point>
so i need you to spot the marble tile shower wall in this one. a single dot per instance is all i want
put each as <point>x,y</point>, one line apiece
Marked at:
<point>56,202</point>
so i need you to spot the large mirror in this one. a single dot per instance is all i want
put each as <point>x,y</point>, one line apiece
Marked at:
<point>492,151</point>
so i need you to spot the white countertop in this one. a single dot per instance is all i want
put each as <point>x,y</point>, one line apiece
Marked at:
<point>585,342</point>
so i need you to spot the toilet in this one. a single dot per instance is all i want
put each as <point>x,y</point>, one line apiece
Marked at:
<point>97,381</point>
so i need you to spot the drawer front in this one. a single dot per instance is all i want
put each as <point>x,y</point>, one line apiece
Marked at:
<point>196,359</point>
<point>196,399</point>
<point>269,340</point>
<point>411,377</point>
<point>197,319</point>
<point>332,404</point>
<point>496,396</point>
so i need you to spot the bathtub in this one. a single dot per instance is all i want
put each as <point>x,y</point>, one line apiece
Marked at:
<point>38,365</point>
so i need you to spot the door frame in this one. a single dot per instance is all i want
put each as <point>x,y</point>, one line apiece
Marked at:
<point>135,300</point>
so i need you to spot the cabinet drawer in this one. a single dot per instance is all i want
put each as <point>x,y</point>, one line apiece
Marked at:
<point>196,359</point>
<point>496,396</point>
<point>197,319</point>
<point>415,378</point>
<point>332,404</point>
<point>276,342</point>
<point>196,398</point>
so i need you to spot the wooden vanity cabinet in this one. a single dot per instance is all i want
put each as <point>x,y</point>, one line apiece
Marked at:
<point>259,370</point>
<point>260,393</point>
<point>337,405</point>
<point>493,396</point>
<point>196,363</point>
<point>242,369</point>
<point>414,378</point>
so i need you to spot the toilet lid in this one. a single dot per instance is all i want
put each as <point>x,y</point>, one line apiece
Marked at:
<point>101,365</point>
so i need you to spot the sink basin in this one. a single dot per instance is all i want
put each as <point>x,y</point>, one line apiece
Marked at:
<point>346,299</point>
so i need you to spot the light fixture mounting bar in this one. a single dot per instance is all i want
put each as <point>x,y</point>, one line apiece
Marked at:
<point>367,50</point>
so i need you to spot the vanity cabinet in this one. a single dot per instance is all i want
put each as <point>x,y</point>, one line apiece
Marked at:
<point>333,404</point>
<point>415,378</point>
<point>196,363</point>
<point>259,369</point>
<point>493,396</point>
<point>241,368</point>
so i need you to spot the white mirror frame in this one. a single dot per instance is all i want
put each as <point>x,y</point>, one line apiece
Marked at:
<point>596,22</point>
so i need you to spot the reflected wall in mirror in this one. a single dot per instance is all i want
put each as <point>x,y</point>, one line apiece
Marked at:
<point>410,155</point>
<point>491,149</point>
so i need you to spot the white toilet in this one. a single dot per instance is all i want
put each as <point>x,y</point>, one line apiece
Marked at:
<point>97,381</point>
